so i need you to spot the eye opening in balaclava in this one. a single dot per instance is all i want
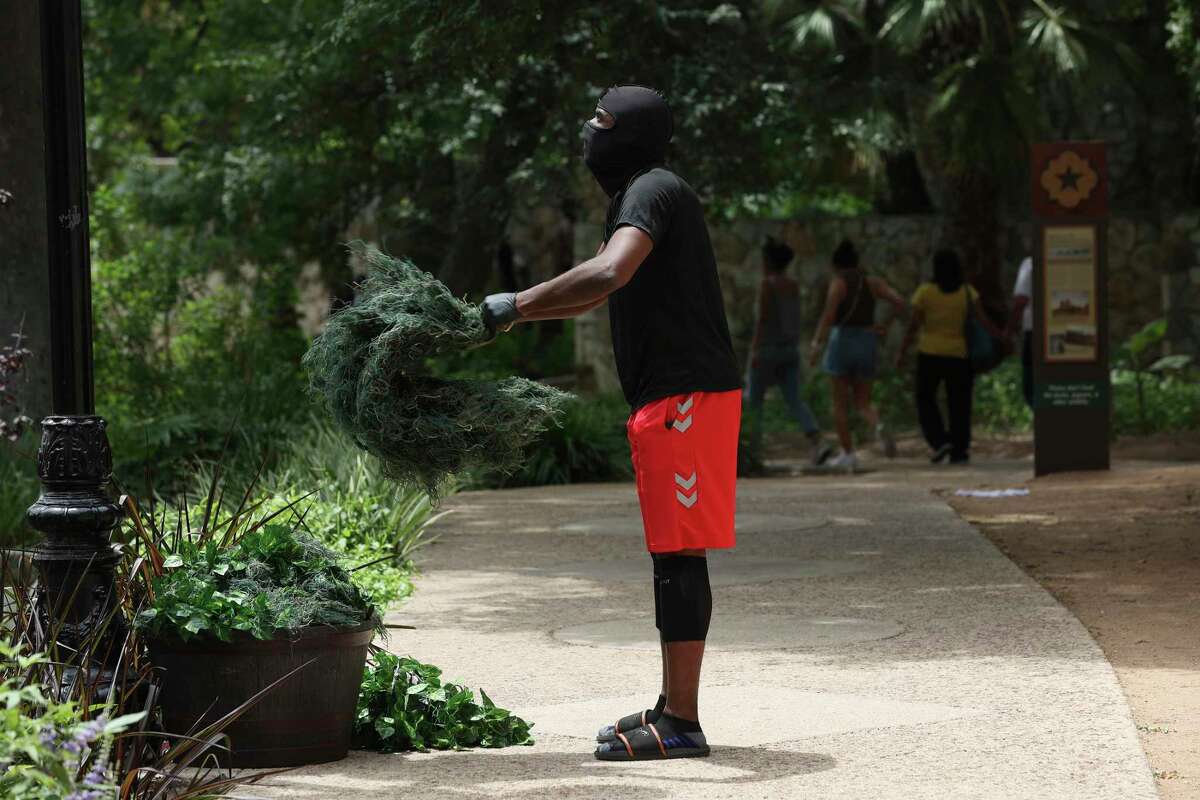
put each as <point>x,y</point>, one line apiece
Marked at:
<point>637,140</point>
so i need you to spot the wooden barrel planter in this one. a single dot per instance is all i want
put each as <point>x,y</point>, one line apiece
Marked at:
<point>307,719</point>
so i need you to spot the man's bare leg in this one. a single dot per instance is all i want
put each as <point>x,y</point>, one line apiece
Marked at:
<point>681,670</point>
<point>665,669</point>
<point>683,666</point>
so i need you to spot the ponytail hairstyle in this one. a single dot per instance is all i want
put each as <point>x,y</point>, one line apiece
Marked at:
<point>947,271</point>
<point>845,256</point>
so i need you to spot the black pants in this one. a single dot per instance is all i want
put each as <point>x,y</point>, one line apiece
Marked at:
<point>932,371</point>
<point>1027,367</point>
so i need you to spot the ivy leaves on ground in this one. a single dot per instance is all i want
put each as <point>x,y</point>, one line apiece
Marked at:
<point>403,705</point>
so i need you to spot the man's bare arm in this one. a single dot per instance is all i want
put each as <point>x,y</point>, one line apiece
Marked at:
<point>1015,316</point>
<point>588,284</point>
<point>563,313</point>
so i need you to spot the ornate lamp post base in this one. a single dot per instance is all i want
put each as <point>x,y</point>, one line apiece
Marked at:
<point>76,561</point>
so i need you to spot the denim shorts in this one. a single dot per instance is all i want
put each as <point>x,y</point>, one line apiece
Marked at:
<point>851,353</point>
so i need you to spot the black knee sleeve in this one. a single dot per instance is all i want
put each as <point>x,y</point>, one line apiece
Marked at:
<point>684,598</point>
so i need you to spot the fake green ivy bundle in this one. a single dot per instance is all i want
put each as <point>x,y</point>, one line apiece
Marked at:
<point>370,367</point>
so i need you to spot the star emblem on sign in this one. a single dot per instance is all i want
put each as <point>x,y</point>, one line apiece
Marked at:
<point>1069,179</point>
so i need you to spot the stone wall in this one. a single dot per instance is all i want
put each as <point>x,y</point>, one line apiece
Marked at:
<point>1153,270</point>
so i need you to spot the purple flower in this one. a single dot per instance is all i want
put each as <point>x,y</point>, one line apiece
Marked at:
<point>86,794</point>
<point>96,777</point>
<point>49,738</point>
<point>85,734</point>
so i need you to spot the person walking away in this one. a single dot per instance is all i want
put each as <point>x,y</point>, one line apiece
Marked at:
<point>1022,309</point>
<point>848,322</point>
<point>775,350</point>
<point>941,309</point>
<point>678,371</point>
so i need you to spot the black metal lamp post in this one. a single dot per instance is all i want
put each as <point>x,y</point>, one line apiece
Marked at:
<point>76,559</point>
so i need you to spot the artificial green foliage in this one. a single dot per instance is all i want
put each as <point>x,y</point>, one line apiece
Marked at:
<point>370,368</point>
<point>271,582</point>
<point>403,705</point>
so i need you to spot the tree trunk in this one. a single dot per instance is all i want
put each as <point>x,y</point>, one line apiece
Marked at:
<point>973,229</point>
<point>970,205</point>
<point>24,275</point>
<point>484,198</point>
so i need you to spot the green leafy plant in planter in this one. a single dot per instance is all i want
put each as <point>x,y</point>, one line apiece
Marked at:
<point>240,581</point>
<point>403,705</point>
<point>271,581</point>
<point>57,740</point>
<point>243,600</point>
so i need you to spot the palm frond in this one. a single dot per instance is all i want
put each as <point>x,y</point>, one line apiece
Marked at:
<point>1053,35</point>
<point>910,21</point>
<point>819,26</point>
<point>813,29</point>
<point>989,113</point>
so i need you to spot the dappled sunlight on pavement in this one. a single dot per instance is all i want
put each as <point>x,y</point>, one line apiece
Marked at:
<point>866,643</point>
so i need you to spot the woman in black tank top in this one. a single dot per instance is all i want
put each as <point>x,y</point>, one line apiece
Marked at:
<point>857,308</point>
<point>849,322</point>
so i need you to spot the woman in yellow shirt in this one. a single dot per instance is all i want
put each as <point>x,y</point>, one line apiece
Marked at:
<point>939,320</point>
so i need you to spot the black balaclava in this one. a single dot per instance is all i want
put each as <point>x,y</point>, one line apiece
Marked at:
<point>638,138</point>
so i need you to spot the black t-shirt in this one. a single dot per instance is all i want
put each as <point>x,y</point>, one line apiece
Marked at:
<point>668,323</point>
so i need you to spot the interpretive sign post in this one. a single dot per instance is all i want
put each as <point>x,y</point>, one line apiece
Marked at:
<point>1072,398</point>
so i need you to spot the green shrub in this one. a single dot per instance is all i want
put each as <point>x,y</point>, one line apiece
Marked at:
<point>1152,393</point>
<point>590,445</point>
<point>355,510</point>
<point>19,488</point>
<point>190,347</point>
<point>1164,403</point>
<point>1000,405</point>
<point>527,349</point>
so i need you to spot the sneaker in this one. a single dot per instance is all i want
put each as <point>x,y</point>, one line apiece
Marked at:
<point>889,441</point>
<point>821,451</point>
<point>844,460</point>
<point>940,454</point>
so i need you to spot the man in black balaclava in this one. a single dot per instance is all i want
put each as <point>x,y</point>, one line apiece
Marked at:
<point>674,357</point>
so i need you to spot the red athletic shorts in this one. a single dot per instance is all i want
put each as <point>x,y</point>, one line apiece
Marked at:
<point>685,457</point>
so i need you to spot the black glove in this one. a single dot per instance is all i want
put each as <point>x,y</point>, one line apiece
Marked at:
<point>499,312</point>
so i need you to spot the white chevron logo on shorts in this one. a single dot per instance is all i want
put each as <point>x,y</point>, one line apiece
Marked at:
<point>682,425</point>
<point>686,405</point>
<point>687,500</point>
<point>685,484</point>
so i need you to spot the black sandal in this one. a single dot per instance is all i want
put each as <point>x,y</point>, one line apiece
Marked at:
<point>625,724</point>
<point>648,743</point>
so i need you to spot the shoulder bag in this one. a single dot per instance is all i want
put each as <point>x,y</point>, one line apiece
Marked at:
<point>981,350</point>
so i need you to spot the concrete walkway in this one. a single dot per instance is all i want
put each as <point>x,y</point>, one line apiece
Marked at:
<point>866,643</point>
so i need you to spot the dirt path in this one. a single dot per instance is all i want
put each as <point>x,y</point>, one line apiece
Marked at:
<point>1122,551</point>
